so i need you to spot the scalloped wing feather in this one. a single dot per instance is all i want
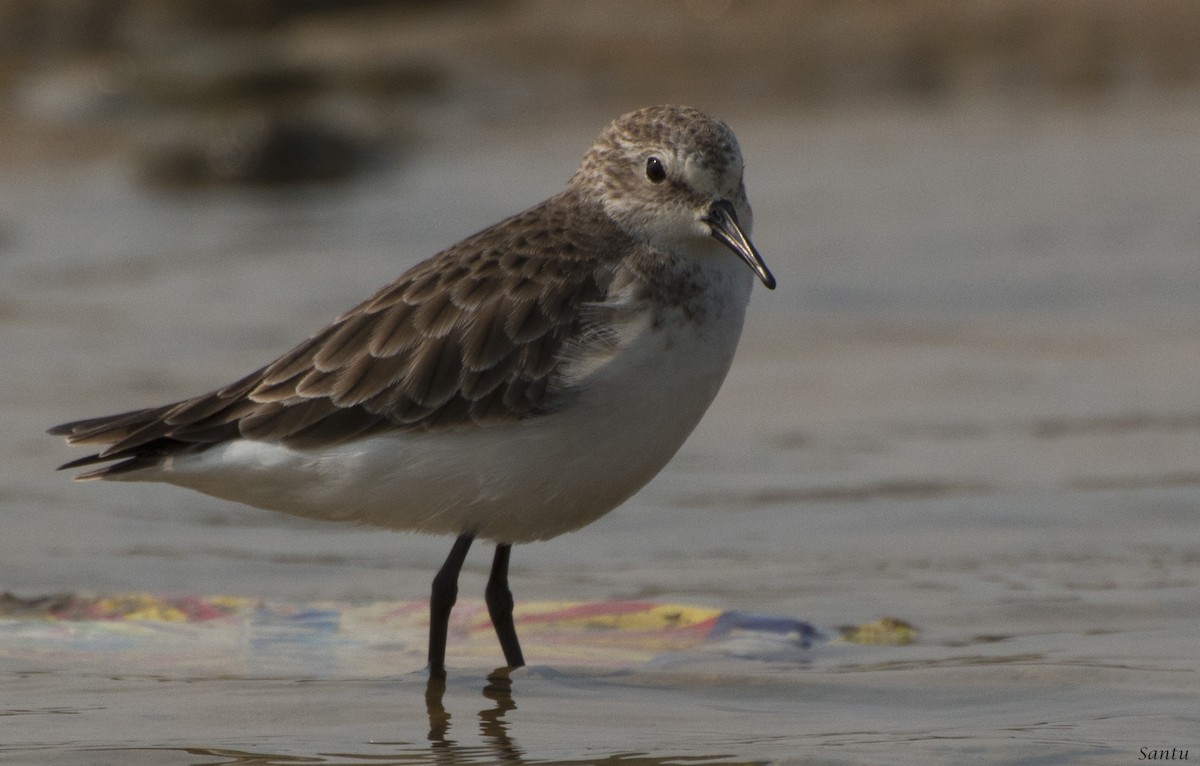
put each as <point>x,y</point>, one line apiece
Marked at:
<point>473,336</point>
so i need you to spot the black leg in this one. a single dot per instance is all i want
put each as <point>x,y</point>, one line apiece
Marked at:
<point>441,601</point>
<point>500,607</point>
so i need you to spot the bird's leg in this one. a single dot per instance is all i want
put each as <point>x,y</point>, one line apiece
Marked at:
<point>500,607</point>
<point>441,601</point>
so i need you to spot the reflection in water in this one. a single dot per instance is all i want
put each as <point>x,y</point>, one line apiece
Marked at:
<point>491,721</point>
<point>445,751</point>
<point>492,725</point>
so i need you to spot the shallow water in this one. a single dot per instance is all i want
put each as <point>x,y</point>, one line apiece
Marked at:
<point>971,404</point>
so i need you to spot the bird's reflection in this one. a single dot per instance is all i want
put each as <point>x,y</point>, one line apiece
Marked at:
<point>443,750</point>
<point>492,725</point>
<point>439,719</point>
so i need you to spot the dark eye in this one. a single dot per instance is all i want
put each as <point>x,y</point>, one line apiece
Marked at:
<point>655,170</point>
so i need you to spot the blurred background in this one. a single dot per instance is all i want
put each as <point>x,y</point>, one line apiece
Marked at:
<point>277,90</point>
<point>972,403</point>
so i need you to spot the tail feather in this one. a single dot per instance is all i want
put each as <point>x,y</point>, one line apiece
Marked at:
<point>110,470</point>
<point>81,462</point>
<point>121,453</point>
<point>108,429</point>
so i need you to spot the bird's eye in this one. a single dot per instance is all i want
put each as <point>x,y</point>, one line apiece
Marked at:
<point>655,170</point>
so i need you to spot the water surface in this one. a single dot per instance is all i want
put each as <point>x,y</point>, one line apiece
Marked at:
<point>971,404</point>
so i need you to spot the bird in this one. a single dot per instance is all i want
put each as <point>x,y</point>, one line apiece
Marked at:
<point>516,386</point>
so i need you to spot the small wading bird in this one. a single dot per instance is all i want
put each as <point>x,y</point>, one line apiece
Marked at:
<point>518,385</point>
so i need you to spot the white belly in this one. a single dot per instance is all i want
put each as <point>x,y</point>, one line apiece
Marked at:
<point>512,483</point>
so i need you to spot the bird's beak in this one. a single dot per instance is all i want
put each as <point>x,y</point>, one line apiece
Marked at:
<point>722,219</point>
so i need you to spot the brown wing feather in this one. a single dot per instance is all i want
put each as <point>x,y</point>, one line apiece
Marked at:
<point>472,336</point>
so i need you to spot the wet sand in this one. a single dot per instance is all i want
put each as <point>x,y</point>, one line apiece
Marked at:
<point>972,404</point>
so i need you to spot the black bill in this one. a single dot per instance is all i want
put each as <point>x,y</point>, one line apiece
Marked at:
<point>723,221</point>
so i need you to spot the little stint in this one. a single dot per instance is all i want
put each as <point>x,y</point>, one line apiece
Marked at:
<point>517,385</point>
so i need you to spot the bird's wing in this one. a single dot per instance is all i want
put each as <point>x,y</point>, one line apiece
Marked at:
<point>471,337</point>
